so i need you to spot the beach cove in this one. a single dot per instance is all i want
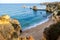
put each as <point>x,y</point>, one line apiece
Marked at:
<point>28,21</point>
<point>27,17</point>
<point>37,32</point>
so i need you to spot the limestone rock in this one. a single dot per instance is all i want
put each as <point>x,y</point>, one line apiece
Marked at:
<point>6,30</point>
<point>1,37</point>
<point>5,16</point>
<point>16,26</point>
<point>9,28</point>
<point>4,19</point>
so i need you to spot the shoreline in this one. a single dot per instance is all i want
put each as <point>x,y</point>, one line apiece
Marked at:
<point>36,24</point>
<point>37,32</point>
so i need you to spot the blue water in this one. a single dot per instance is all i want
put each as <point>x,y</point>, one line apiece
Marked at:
<point>26,16</point>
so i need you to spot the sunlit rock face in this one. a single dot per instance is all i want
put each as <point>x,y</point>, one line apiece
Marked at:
<point>2,38</point>
<point>15,21</point>
<point>56,16</point>
<point>9,28</point>
<point>16,25</point>
<point>5,16</point>
<point>4,19</point>
<point>6,30</point>
<point>51,7</point>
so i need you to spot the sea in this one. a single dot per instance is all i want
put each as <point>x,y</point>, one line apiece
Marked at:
<point>26,16</point>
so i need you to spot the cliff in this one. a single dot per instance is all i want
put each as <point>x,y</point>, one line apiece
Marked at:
<point>10,29</point>
<point>51,7</point>
<point>52,32</point>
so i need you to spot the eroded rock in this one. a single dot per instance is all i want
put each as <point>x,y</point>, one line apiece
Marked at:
<point>9,28</point>
<point>52,32</point>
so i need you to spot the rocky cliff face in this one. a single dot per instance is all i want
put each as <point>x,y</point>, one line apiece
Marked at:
<point>51,7</point>
<point>10,29</point>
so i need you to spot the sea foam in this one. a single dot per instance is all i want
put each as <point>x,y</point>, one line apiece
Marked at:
<point>35,25</point>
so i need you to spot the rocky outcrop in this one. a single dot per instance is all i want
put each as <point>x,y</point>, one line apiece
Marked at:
<point>51,7</point>
<point>34,8</point>
<point>52,32</point>
<point>10,29</point>
<point>56,16</point>
<point>17,26</point>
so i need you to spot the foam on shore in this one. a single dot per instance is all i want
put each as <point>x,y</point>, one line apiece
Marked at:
<point>38,23</point>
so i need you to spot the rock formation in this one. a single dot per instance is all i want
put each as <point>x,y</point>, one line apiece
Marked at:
<point>9,28</point>
<point>52,32</point>
<point>51,7</point>
<point>34,8</point>
<point>56,16</point>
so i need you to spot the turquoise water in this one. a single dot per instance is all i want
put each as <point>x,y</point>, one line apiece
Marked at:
<point>26,16</point>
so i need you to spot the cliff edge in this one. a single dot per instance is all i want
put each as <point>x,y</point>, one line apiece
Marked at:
<point>10,29</point>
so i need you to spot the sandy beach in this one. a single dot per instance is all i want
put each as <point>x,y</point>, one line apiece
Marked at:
<point>37,32</point>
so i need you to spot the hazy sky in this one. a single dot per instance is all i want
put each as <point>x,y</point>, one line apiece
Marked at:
<point>26,1</point>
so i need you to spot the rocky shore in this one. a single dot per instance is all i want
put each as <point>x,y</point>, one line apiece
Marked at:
<point>51,7</point>
<point>10,29</point>
<point>53,31</point>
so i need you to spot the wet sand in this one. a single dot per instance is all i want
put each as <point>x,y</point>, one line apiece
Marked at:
<point>37,31</point>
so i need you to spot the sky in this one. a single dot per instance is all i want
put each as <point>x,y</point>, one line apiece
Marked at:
<point>27,1</point>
